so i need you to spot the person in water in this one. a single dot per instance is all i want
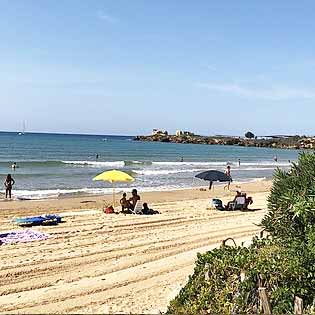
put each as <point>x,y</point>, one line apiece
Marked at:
<point>8,184</point>
<point>228,173</point>
<point>134,199</point>
<point>14,166</point>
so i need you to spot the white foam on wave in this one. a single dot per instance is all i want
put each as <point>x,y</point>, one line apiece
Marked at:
<point>56,193</point>
<point>117,164</point>
<point>164,172</point>
<point>222,163</point>
<point>59,193</point>
<point>189,163</point>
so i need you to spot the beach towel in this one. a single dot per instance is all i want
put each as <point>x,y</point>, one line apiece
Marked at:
<point>22,236</point>
<point>39,220</point>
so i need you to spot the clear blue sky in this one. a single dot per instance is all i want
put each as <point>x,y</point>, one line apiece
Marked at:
<point>125,67</point>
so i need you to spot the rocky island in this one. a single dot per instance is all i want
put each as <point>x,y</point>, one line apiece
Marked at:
<point>249,140</point>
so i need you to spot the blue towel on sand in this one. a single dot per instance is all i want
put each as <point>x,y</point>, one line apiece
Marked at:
<point>38,220</point>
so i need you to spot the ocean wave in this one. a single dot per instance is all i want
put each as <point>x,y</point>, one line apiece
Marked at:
<point>117,164</point>
<point>164,172</point>
<point>137,163</point>
<point>121,164</point>
<point>190,163</point>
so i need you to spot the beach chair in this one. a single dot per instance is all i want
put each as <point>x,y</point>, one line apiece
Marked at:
<point>239,204</point>
<point>138,208</point>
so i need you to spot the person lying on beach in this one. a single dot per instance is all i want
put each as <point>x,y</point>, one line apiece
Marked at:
<point>125,204</point>
<point>134,199</point>
<point>147,210</point>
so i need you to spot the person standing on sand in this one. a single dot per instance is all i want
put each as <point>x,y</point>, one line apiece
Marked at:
<point>228,173</point>
<point>8,184</point>
<point>210,184</point>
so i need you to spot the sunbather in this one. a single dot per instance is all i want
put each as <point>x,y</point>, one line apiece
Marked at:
<point>125,204</point>
<point>230,203</point>
<point>134,198</point>
<point>246,201</point>
<point>147,210</point>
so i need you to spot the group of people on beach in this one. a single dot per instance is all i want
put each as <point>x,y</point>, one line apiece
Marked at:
<point>127,205</point>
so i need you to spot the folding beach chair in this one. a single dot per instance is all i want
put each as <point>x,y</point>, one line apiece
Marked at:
<point>138,208</point>
<point>239,204</point>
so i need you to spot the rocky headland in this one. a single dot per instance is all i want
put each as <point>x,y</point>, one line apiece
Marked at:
<point>283,142</point>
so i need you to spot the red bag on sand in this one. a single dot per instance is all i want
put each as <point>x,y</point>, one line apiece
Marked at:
<point>109,210</point>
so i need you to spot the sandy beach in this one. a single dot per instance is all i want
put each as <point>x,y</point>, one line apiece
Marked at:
<point>97,263</point>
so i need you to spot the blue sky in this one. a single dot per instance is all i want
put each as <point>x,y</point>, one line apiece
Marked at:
<point>125,67</point>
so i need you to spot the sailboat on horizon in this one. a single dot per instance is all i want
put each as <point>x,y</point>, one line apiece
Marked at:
<point>21,133</point>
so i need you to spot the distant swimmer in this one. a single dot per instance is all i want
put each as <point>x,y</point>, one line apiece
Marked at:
<point>182,159</point>
<point>275,158</point>
<point>239,162</point>
<point>14,166</point>
<point>96,157</point>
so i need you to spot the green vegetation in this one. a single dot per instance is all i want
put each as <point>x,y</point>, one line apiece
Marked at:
<point>249,135</point>
<point>226,280</point>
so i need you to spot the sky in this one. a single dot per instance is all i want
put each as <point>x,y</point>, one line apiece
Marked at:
<point>126,67</point>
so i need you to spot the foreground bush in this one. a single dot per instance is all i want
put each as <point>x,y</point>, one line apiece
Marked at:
<point>226,280</point>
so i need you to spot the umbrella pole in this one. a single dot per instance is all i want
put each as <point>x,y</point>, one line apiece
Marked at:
<point>113,194</point>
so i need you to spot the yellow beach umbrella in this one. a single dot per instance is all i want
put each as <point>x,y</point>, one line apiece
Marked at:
<point>113,177</point>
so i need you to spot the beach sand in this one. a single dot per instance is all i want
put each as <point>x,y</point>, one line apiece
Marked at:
<point>98,263</point>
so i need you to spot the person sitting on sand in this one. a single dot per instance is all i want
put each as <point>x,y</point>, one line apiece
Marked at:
<point>8,184</point>
<point>125,204</point>
<point>248,200</point>
<point>229,204</point>
<point>134,199</point>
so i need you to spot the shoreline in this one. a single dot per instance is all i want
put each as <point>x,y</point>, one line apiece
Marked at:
<point>98,201</point>
<point>83,192</point>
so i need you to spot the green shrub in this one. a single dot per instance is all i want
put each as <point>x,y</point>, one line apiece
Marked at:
<point>284,262</point>
<point>292,201</point>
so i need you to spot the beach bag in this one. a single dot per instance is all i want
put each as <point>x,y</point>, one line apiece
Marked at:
<point>217,203</point>
<point>109,210</point>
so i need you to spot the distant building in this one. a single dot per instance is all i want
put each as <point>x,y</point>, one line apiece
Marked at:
<point>159,132</point>
<point>179,133</point>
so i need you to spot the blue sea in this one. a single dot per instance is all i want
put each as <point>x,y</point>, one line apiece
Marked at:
<point>56,165</point>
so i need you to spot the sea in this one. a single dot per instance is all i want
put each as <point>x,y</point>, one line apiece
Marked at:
<point>60,165</point>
